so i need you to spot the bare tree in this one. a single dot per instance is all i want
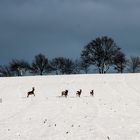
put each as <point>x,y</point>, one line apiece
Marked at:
<point>134,64</point>
<point>66,66</point>
<point>120,62</point>
<point>84,66</point>
<point>19,67</point>
<point>77,66</point>
<point>5,71</point>
<point>39,64</point>
<point>56,64</point>
<point>100,53</point>
<point>62,65</point>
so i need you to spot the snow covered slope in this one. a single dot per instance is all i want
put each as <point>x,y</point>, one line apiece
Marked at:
<point>112,114</point>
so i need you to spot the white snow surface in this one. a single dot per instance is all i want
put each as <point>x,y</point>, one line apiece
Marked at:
<point>113,113</point>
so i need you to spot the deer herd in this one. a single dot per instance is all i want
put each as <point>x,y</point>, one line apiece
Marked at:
<point>78,93</point>
<point>63,93</point>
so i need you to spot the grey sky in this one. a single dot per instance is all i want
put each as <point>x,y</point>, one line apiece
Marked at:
<point>64,27</point>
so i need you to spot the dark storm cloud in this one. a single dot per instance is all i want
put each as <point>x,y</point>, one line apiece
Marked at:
<point>63,27</point>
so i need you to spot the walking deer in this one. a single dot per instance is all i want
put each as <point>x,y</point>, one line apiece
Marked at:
<point>92,92</point>
<point>64,93</point>
<point>78,93</point>
<point>31,92</point>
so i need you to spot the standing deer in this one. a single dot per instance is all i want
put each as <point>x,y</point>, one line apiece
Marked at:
<point>64,93</point>
<point>31,92</point>
<point>78,93</point>
<point>92,92</point>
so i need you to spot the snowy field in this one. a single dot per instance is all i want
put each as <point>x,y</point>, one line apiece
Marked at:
<point>112,114</point>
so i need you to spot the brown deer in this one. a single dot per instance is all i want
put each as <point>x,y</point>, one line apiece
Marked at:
<point>92,92</point>
<point>78,93</point>
<point>64,93</point>
<point>31,92</point>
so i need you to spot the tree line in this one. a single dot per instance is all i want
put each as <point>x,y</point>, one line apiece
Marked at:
<point>101,55</point>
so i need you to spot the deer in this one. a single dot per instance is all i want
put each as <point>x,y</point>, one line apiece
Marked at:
<point>92,92</point>
<point>78,93</point>
<point>31,92</point>
<point>64,93</point>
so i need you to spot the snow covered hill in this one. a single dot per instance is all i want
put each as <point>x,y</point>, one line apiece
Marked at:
<point>113,113</point>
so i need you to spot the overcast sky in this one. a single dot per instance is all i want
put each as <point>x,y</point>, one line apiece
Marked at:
<point>63,27</point>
